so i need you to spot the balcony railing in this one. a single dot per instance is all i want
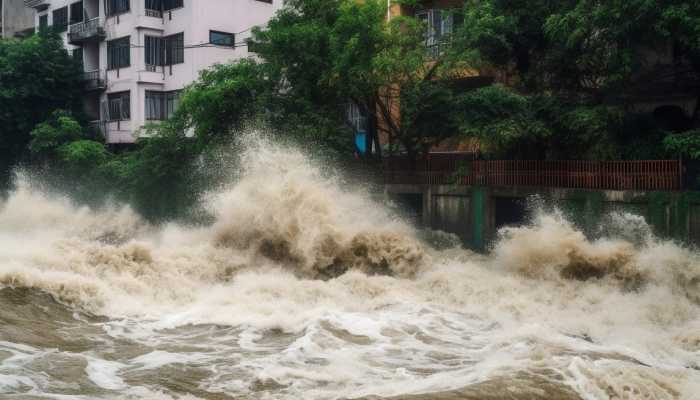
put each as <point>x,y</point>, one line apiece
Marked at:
<point>95,80</point>
<point>92,29</point>
<point>97,128</point>
<point>154,13</point>
<point>36,3</point>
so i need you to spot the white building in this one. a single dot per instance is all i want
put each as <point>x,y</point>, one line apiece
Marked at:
<point>138,54</point>
<point>15,18</point>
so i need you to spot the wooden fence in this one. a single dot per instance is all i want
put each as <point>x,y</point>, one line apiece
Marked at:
<point>463,169</point>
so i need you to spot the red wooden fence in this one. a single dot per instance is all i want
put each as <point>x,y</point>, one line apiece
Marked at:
<point>462,169</point>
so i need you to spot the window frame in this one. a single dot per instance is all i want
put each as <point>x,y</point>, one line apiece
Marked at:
<point>64,19</point>
<point>112,49</point>
<point>174,57</point>
<point>72,20</point>
<point>119,96</point>
<point>43,21</point>
<point>232,36</point>
<point>119,10</point>
<point>167,103</point>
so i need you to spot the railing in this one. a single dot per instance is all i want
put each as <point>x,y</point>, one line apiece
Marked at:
<point>35,3</point>
<point>92,28</point>
<point>606,175</point>
<point>97,128</point>
<point>154,13</point>
<point>96,79</point>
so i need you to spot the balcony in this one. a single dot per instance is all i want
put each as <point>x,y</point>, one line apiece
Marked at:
<point>92,29</point>
<point>97,128</point>
<point>95,80</point>
<point>154,13</point>
<point>37,4</point>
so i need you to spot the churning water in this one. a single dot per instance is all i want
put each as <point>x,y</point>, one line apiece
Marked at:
<point>303,290</point>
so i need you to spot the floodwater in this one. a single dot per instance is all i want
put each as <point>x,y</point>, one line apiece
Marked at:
<point>303,289</point>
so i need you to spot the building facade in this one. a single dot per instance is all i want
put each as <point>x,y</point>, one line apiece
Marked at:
<point>138,55</point>
<point>16,20</point>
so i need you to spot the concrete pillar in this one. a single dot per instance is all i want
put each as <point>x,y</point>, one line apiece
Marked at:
<point>428,211</point>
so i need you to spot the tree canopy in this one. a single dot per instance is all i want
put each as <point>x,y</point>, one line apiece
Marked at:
<point>37,77</point>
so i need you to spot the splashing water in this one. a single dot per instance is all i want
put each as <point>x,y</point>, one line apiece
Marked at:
<point>303,289</point>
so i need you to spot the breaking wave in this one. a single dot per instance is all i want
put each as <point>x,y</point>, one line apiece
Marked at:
<point>355,302</point>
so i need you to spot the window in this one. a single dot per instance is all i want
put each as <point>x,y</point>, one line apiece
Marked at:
<point>163,5</point>
<point>76,12</point>
<point>161,105</point>
<point>119,106</point>
<point>167,50</point>
<point>174,49</point>
<point>265,1</point>
<point>155,50</point>
<point>43,21</point>
<point>222,38</point>
<point>114,7</point>
<point>439,27</point>
<point>172,4</point>
<point>60,19</point>
<point>119,53</point>
<point>78,56</point>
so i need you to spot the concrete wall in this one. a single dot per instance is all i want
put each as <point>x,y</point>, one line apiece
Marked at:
<point>472,212</point>
<point>14,18</point>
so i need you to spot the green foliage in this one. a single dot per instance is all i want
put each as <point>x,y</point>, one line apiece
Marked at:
<point>577,67</point>
<point>223,98</point>
<point>37,76</point>
<point>83,154</point>
<point>49,135</point>
<point>686,143</point>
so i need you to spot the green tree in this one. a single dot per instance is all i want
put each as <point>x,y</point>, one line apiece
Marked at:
<point>584,62</point>
<point>37,76</point>
<point>330,53</point>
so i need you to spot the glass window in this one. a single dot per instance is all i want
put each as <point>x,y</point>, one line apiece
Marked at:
<point>78,56</point>
<point>222,38</point>
<point>175,49</point>
<point>172,4</point>
<point>114,7</point>
<point>161,105</point>
<point>60,19</point>
<point>163,5</point>
<point>43,21</point>
<point>76,12</point>
<point>167,50</point>
<point>119,53</point>
<point>119,106</point>
<point>155,50</point>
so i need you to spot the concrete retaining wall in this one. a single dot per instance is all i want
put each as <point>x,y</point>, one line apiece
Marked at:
<point>475,213</point>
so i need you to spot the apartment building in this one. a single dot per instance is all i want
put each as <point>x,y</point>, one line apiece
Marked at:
<point>15,19</point>
<point>139,54</point>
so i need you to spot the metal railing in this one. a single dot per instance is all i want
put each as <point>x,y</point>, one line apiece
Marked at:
<point>94,80</point>
<point>604,175</point>
<point>35,3</point>
<point>97,128</point>
<point>154,13</point>
<point>92,28</point>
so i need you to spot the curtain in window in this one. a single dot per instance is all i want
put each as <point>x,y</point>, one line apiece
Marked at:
<point>119,53</point>
<point>116,6</point>
<point>119,106</point>
<point>154,105</point>
<point>175,49</point>
<point>76,12</point>
<point>161,105</point>
<point>155,50</point>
